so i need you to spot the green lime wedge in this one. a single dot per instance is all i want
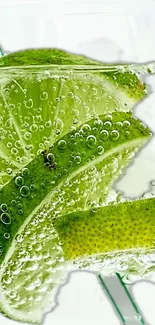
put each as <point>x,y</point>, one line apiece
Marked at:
<point>66,134</point>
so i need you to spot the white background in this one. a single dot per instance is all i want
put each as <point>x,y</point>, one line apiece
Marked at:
<point>109,31</point>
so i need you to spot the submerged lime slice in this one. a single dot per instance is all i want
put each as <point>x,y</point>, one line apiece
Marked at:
<point>66,134</point>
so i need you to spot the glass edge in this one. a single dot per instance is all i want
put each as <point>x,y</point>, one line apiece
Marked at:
<point>118,306</point>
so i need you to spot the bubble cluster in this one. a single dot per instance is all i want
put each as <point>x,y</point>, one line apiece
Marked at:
<point>38,266</point>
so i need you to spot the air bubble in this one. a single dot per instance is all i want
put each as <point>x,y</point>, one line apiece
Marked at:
<point>27,136</point>
<point>91,141</point>
<point>25,191</point>
<point>86,129</point>
<point>34,128</point>
<point>29,287</point>
<point>6,279</point>
<point>114,135</point>
<point>126,125</point>
<point>142,127</point>
<point>127,133</point>
<point>75,121</point>
<point>58,125</point>
<point>9,145</point>
<point>13,202</point>
<point>14,151</point>
<point>44,95</point>
<point>41,128</point>
<point>28,103</point>
<point>4,207</point>
<point>98,123</point>
<point>20,211</point>
<point>100,150</point>
<point>107,125</point>
<point>6,235</point>
<point>70,94</point>
<point>94,207</point>
<point>32,187</point>
<point>108,117</point>
<point>104,135</point>
<point>62,144</point>
<point>18,144</point>
<point>51,157</point>
<point>119,125</point>
<point>19,238</point>
<point>19,181</point>
<point>5,218</point>
<point>9,171</point>
<point>94,91</point>
<point>77,160</point>
<point>48,124</point>
<point>25,171</point>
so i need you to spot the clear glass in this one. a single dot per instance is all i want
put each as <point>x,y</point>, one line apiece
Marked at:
<point>112,31</point>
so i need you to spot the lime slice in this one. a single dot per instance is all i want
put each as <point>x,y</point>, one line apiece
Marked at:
<point>39,104</point>
<point>65,137</point>
<point>121,234</point>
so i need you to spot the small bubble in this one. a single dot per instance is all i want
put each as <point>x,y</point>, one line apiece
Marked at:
<point>98,123</point>
<point>34,128</point>
<point>28,103</point>
<point>127,133</point>
<point>25,171</point>
<point>126,125</point>
<point>44,95</point>
<point>62,144</point>
<point>51,157</point>
<point>4,207</point>
<point>70,94</point>
<point>13,202</point>
<point>86,129</point>
<point>75,120</point>
<point>104,135</point>
<point>58,125</point>
<point>41,128</point>
<point>5,218</point>
<point>19,205</point>
<point>77,160</point>
<point>94,91</point>
<point>91,141</point>
<point>9,171</point>
<point>108,117</point>
<point>32,187</point>
<point>9,145</point>
<point>6,235</point>
<point>27,136</point>
<point>18,144</point>
<point>19,181</point>
<point>107,125</point>
<point>20,211</point>
<point>142,127</point>
<point>114,135</point>
<point>19,238</point>
<point>94,207</point>
<point>119,125</point>
<point>14,151</point>
<point>25,191</point>
<point>29,287</point>
<point>92,170</point>
<point>6,279</point>
<point>100,150</point>
<point>48,124</point>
